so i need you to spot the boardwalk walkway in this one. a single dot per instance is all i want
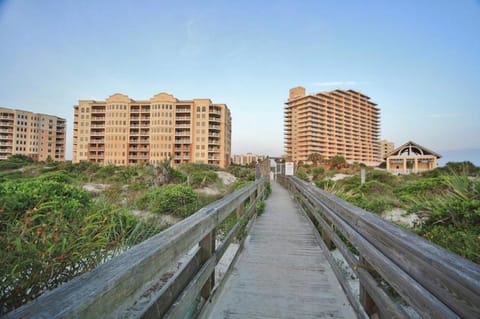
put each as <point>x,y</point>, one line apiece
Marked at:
<point>282,272</point>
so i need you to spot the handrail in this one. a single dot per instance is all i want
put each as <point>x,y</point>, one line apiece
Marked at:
<point>112,289</point>
<point>433,281</point>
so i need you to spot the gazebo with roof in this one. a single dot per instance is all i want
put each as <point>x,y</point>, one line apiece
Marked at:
<point>411,158</point>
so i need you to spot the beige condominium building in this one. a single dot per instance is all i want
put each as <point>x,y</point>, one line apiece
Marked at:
<point>385,148</point>
<point>338,122</point>
<point>122,131</point>
<point>246,159</point>
<point>39,136</point>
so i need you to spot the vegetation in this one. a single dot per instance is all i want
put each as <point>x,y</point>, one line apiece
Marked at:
<point>242,172</point>
<point>445,200</point>
<point>52,229</point>
<point>178,200</point>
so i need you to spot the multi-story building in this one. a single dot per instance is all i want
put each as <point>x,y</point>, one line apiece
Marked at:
<point>122,131</point>
<point>385,148</point>
<point>39,136</point>
<point>245,159</point>
<point>339,122</point>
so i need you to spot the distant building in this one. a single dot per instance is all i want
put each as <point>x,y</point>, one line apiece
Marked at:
<point>39,136</point>
<point>385,148</point>
<point>123,131</point>
<point>246,159</point>
<point>339,122</point>
<point>411,158</point>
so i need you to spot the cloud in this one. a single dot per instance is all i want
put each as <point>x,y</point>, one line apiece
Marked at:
<point>337,83</point>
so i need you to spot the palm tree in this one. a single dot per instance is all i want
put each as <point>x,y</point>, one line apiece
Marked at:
<point>315,158</point>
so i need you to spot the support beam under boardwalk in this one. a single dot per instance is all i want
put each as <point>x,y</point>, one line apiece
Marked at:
<point>282,271</point>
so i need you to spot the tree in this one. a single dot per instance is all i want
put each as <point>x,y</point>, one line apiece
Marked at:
<point>315,158</point>
<point>337,162</point>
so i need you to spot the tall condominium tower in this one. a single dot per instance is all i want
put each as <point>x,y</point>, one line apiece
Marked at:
<point>39,136</point>
<point>122,131</point>
<point>339,122</point>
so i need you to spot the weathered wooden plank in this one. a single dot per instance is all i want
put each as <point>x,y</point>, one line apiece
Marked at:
<point>207,247</point>
<point>452,279</point>
<point>415,294</point>
<point>327,231</point>
<point>282,272</point>
<point>114,286</point>
<point>162,300</point>
<point>184,303</point>
<point>360,312</point>
<point>387,307</point>
<point>365,299</point>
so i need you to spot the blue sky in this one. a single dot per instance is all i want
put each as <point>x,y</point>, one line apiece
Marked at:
<point>419,60</point>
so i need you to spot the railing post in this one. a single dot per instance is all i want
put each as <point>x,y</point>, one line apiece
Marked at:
<point>240,210</point>
<point>253,195</point>
<point>367,302</point>
<point>260,188</point>
<point>326,239</point>
<point>207,248</point>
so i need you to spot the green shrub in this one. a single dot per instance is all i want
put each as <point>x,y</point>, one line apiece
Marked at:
<point>323,183</point>
<point>56,176</point>
<point>451,218</point>
<point>242,172</point>
<point>462,241</point>
<point>224,227</point>
<point>201,178</point>
<point>191,167</point>
<point>15,162</point>
<point>302,173</point>
<point>179,200</point>
<point>260,207</point>
<point>268,189</point>
<point>317,172</point>
<point>50,232</point>
<point>238,184</point>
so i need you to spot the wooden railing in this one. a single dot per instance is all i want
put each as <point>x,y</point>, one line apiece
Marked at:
<point>431,280</point>
<point>130,285</point>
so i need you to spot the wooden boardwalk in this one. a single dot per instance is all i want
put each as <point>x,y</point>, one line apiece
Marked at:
<point>282,272</point>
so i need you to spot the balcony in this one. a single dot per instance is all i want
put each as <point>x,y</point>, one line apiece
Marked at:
<point>133,156</point>
<point>213,142</point>
<point>6,123</point>
<point>215,111</point>
<point>139,148</point>
<point>98,110</point>
<point>182,141</point>
<point>214,119</point>
<point>96,156</point>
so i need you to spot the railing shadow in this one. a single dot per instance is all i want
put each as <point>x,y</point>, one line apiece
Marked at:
<point>389,261</point>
